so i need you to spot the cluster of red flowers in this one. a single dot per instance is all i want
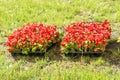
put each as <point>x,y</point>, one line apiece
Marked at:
<point>86,37</point>
<point>32,35</point>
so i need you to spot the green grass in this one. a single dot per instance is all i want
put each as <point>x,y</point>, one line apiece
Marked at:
<point>43,69</point>
<point>16,13</point>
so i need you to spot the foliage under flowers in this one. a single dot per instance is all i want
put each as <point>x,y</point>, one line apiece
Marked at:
<point>32,38</point>
<point>84,37</point>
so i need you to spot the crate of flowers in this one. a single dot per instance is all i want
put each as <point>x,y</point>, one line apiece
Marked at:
<point>32,38</point>
<point>86,38</point>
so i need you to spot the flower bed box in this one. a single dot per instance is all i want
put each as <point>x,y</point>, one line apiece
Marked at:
<point>32,38</point>
<point>86,37</point>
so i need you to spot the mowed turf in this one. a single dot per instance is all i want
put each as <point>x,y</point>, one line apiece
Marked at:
<point>16,13</point>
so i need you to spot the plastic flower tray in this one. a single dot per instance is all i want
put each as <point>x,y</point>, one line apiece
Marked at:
<point>82,53</point>
<point>37,52</point>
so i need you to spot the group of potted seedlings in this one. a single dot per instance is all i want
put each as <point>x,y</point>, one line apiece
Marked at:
<point>79,37</point>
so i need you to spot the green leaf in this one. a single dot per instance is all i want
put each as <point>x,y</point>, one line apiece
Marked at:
<point>34,49</point>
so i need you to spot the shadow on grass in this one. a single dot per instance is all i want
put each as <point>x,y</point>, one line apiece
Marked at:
<point>112,55</point>
<point>51,54</point>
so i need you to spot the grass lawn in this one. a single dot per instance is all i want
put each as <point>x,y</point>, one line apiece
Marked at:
<point>15,13</point>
